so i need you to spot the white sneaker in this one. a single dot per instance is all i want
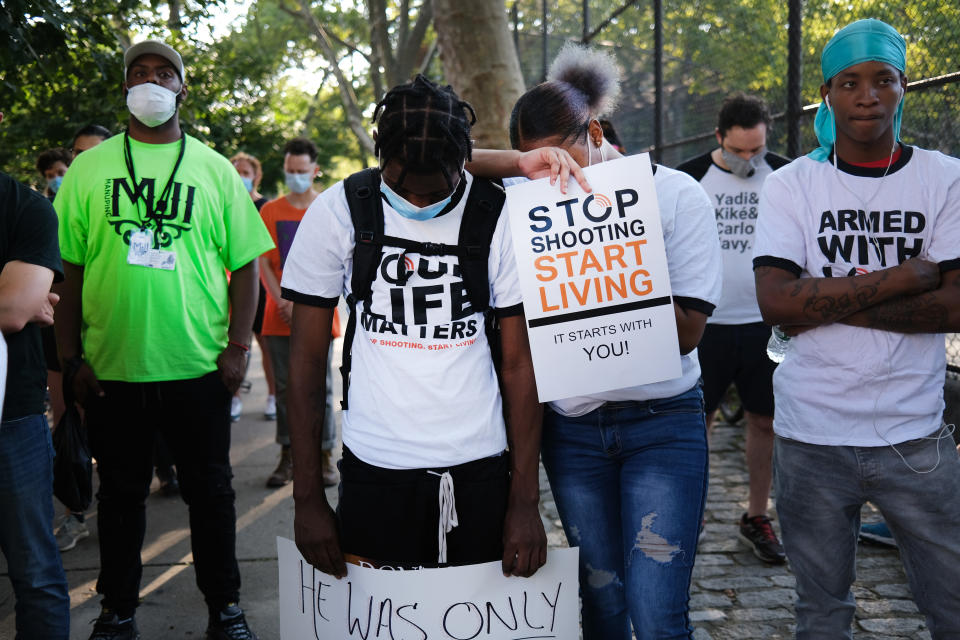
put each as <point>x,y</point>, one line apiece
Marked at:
<point>71,532</point>
<point>236,408</point>
<point>270,409</point>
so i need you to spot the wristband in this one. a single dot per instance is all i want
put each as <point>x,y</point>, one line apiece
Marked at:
<point>238,345</point>
<point>72,365</point>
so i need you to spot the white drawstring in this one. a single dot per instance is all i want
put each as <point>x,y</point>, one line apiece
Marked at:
<point>448,512</point>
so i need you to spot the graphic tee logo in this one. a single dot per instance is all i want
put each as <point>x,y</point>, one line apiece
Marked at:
<point>850,239</point>
<point>420,297</point>
<point>170,220</point>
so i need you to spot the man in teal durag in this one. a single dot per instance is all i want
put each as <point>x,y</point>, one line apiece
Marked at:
<point>863,41</point>
<point>857,256</point>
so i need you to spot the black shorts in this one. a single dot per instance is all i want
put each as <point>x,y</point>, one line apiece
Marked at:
<point>737,353</point>
<point>391,516</point>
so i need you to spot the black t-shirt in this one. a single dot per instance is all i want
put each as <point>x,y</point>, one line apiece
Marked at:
<point>28,233</point>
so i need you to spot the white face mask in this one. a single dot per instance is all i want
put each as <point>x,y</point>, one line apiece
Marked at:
<point>298,182</point>
<point>151,104</point>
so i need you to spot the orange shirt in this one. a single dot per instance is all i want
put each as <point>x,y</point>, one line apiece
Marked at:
<point>282,220</point>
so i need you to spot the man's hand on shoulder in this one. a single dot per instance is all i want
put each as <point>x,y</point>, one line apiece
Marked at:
<point>315,532</point>
<point>232,365</point>
<point>524,540</point>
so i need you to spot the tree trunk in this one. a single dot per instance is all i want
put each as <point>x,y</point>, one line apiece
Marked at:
<point>480,61</point>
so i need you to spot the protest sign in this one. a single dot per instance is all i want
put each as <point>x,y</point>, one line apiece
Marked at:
<point>596,290</point>
<point>474,602</point>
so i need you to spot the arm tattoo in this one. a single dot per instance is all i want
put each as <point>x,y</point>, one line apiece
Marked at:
<point>827,308</point>
<point>911,314</point>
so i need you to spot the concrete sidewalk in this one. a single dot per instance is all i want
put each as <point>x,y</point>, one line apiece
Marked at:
<point>733,595</point>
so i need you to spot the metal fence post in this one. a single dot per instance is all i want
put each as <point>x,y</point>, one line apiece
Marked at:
<point>794,76</point>
<point>657,79</point>
<point>546,54</point>
<point>586,22</point>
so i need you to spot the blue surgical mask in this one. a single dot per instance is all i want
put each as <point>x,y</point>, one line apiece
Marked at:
<point>54,184</point>
<point>407,210</point>
<point>247,183</point>
<point>298,182</point>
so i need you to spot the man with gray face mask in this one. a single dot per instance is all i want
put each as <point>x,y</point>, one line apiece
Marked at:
<point>150,222</point>
<point>733,349</point>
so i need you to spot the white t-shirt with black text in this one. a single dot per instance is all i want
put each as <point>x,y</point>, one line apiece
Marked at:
<point>735,203</point>
<point>694,265</point>
<point>842,385</point>
<point>423,390</point>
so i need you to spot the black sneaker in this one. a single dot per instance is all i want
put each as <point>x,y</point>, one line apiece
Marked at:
<point>229,624</point>
<point>757,533</point>
<point>169,486</point>
<point>109,626</point>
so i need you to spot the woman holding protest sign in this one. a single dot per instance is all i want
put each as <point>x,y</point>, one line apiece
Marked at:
<point>628,468</point>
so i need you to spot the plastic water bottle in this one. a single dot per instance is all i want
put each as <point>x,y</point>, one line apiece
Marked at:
<point>778,345</point>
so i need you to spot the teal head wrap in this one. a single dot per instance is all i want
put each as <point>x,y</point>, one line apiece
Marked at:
<point>861,41</point>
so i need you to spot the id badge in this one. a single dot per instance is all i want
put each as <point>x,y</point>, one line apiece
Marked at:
<point>141,242</point>
<point>143,254</point>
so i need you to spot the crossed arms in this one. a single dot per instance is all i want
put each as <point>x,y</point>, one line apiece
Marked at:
<point>912,297</point>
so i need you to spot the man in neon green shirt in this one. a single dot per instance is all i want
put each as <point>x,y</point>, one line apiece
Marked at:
<point>152,334</point>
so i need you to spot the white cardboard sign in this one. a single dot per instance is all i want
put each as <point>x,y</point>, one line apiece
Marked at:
<point>473,602</point>
<point>596,290</point>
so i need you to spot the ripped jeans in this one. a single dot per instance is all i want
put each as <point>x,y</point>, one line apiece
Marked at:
<point>630,481</point>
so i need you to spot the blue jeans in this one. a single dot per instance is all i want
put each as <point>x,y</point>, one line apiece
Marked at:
<point>630,482</point>
<point>820,490</point>
<point>26,529</point>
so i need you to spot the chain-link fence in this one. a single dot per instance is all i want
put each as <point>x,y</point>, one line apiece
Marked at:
<point>711,48</point>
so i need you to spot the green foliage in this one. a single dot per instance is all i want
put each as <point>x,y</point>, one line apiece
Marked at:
<point>255,86</point>
<point>65,70</point>
<point>715,47</point>
<point>60,72</point>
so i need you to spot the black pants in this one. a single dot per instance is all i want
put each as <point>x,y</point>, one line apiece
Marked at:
<point>392,516</point>
<point>194,418</point>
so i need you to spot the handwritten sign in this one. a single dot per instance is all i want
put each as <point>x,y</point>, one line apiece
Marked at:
<point>474,602</point>
<point>596,290</point>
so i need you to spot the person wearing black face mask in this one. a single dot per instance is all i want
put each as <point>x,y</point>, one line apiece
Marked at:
<point>733,349</point>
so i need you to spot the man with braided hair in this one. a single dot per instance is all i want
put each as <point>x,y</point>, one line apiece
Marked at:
<point>424,416</point>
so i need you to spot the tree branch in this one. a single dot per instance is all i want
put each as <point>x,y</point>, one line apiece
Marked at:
<point>410,47</point>
<point>314,104</point>
<point>606,22</point>
<point>428,57</point>
<point>380,44</point>
<point>347,96</point>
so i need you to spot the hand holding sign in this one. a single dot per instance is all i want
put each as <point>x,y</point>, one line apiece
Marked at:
<point>596,288</point>
<point>315,528</point>
<point>456,603</point>
<point>552,162</point>
<point>524,540</point>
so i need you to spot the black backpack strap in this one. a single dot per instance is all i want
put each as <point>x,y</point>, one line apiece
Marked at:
<point>477,227</point>
<point>480,217</point>
<point>366,212</point>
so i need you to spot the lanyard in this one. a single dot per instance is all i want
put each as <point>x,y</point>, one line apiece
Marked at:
<point>161,202</point>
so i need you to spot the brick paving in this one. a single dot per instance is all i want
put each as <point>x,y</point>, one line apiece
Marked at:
<point>736,596</point>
